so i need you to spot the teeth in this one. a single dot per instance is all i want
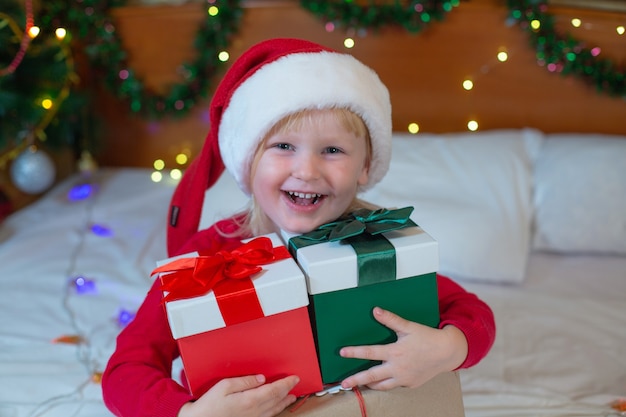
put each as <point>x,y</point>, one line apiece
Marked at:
<point>303,195</point>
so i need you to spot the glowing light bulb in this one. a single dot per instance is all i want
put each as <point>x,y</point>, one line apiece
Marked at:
<point>80,192</point>
<point>413,128</point>
<point>468,84</point>
<point>46,103</point>
<point>176,174</point>
<point>124,317</point>
<point>620,30</point>
<point>158,164</point>
<point>223,56</point>
<point>96,377</point>
<point>502,56</point>
<point>576,22</point>
<point>181,159</point>
<point>33,31</point>
<point>213,10</point>
<point>60,33</point>
<point>156,176</point>
<point>348,43</point>
<point>70,339</point>
<point>84,285</point>
<point>535,24</point>
<point>472,125</point>
<point>101,230</point>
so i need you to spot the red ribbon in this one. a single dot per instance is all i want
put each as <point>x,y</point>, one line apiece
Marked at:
<point>357,392</point>
<point>227,274</point>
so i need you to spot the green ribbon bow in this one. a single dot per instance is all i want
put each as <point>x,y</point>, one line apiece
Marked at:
<point>362,229</point>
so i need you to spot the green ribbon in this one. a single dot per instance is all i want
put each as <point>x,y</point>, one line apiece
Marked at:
<point>362,229</point>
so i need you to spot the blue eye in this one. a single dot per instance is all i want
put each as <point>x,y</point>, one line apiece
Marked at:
<point>332,149</point>
<point>283,146</point>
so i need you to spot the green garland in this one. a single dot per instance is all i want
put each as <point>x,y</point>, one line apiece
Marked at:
<point>414,16</point>
<point>91,21</point>
<point>564,53</point>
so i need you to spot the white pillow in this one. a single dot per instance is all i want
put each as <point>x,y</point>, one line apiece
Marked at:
<point>221,201</point>
<point>472,193</point>
<point>580,194</point>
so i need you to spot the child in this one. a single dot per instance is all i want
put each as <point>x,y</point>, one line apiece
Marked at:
<point>302,129</point>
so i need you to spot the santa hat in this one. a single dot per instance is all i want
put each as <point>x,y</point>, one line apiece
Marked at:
<point>271,80</point>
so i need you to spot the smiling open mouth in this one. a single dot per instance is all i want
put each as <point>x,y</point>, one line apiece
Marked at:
<point>304,199</point>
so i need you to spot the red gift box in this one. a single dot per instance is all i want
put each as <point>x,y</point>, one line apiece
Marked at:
<point>253,319</point>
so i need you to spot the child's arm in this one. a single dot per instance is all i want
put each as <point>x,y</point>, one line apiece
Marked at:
<point>246,396</point>
<point>137,380</point>
<point>465,335</point>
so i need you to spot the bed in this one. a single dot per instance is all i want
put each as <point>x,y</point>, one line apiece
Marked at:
<point>529,213</point>
<point>544,247</point>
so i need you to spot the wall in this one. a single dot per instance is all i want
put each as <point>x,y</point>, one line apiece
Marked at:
<point>423,72</point>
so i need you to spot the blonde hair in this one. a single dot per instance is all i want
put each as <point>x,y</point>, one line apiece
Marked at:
<point>251,221</point>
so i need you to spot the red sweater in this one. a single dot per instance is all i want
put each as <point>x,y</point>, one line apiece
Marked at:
<point>138,378</point>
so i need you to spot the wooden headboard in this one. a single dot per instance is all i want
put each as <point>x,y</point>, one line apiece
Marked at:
<point>423,71</point>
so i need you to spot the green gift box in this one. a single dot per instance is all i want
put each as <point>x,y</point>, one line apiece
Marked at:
<point>372,258</point>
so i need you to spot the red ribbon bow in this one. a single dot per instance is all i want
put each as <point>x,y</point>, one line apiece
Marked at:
<point>227,274</point>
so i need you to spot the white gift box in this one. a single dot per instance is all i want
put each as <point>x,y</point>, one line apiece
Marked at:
<point>332,266</point>
<point>280,287</point>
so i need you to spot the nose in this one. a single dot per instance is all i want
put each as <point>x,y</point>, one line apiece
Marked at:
<point>306,167</point>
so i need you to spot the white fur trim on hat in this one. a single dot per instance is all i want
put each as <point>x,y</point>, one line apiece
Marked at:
<point>298,81</point>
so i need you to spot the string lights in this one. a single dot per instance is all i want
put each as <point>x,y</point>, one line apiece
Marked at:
<point>414,16</point>
<point>175,173</point>
<point>565,54</point>
<point>558,54</point>
<point>36,88</point>
<point>91,21</point>
<point>78,287</point>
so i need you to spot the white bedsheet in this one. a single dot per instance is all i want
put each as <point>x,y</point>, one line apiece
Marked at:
<point>561,343</point>
<point>560,349</point>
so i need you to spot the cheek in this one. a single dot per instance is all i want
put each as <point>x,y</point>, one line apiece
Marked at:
<point>261,172</point>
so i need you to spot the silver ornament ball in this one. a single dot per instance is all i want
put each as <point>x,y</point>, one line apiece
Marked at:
<point>33,171</point>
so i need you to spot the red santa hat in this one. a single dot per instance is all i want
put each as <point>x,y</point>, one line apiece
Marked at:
<point>271,80</point>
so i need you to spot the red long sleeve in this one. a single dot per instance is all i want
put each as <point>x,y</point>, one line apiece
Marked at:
<point>138,378</point>
<point>138,382</point>
<point>468,313</point>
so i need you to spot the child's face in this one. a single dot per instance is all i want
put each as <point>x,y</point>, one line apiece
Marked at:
<point>310,176</point>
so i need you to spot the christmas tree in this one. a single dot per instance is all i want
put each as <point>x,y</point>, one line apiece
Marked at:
<point>40,105</point>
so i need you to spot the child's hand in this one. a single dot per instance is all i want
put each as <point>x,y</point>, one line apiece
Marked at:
<point>419,354</point>
<point>245,396</point>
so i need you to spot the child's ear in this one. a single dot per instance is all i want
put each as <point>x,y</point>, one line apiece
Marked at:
<point>364,177</point>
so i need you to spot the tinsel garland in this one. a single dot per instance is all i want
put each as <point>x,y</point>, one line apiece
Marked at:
<point>567,55</point>
<point>92,23</point>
